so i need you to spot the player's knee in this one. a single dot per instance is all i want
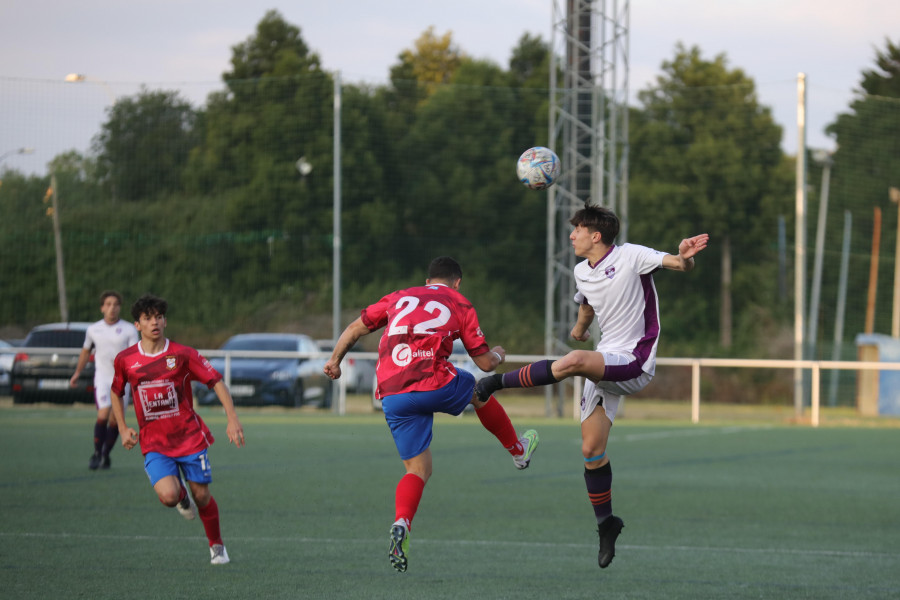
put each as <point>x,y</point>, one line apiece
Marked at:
<point>169,498</point>
<point>593,453</point>
<point>572,363</point>
<point>201,496</point>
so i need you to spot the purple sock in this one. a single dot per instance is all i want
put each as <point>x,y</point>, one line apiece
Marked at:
<point>112,434</point>
<point>599,488</point>
<point>533,375</point>
<point>99,435</point>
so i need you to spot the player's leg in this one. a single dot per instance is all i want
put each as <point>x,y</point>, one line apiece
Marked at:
<point>198,474</point>
<point>111,435</point>
<point>495,419</point>
<point>406,503</point>
<point>100,428</point>
<point>410,419</point>
<point>166,481</point>
<point>598,410</point>
<point>585,363</point>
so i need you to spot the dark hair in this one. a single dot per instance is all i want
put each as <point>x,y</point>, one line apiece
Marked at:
<point>598,218</point>
<point>444,267</point>
<point>149,305</point>
<point>107,293</point>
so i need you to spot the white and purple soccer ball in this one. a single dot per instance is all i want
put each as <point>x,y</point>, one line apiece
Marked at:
<point>538,168</point>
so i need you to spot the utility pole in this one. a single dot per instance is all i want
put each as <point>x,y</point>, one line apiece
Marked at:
<point>57,239</point>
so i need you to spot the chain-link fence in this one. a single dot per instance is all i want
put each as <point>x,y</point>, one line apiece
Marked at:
<point>220,197</point>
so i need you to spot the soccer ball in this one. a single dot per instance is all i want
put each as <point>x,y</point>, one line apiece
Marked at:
<point>538,168</point>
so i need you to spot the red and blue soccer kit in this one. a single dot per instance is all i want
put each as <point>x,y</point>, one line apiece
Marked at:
<point>163,403</point>
<point>415,379</point>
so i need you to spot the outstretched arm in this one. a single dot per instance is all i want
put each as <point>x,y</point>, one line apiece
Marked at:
<point>687,249</point>
<point>350,336</point>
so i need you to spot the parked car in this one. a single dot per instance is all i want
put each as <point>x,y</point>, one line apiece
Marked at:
<point>359,372</point>
<point>459,358</point>
<point>263,381</point>
<point>43,376</point>
<point>6,363</point>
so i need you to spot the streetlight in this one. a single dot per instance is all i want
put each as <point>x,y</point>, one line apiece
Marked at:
<point>16,151</point>
<point>81,77</point>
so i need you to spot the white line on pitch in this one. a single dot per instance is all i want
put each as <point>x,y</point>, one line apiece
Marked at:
<point>305,540</point>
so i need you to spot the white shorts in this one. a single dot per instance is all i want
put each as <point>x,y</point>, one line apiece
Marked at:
<point>609,393</point>
<point>102,393</point>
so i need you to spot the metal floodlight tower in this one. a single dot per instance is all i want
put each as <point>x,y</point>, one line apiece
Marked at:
<point>589,131</point>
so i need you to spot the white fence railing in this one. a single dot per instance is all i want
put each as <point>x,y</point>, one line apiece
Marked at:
<point>339,406</point>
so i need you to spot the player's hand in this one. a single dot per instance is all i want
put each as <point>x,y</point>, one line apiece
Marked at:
<point>235,432</point>
<point>690,247</point>
<point>332,369</point>
<point>581,336</point>
<point>129,438</point>
<point>499,351</point>
<point>74,380</point>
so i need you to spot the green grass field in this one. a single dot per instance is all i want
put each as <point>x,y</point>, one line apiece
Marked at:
<point>723,510</point>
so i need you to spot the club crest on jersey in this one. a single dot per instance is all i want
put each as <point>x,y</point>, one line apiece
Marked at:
<point>170,362</point>
<point>610,272</point>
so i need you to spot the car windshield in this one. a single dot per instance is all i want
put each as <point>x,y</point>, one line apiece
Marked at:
<point>55,339</point>
<point>276,345</point>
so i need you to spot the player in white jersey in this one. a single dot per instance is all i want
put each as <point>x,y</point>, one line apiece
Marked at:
<point>615,286</point>
<point>107,337</point>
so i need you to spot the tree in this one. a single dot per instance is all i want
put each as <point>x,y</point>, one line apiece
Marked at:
<point>704,155</point>
<point>431,63</point>
<point>143,147</point>
<point>866,166</point>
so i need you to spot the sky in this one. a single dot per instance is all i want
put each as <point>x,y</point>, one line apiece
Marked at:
<point>186,45</point>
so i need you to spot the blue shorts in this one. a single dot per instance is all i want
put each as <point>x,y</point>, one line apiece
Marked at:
<point>410,416</point>
<point>195,467</point>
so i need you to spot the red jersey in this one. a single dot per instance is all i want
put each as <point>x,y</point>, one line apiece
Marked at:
<point>422,323</point>
<point>163,403</point>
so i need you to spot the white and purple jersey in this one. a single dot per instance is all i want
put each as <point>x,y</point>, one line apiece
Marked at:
<point>620,289</point>
<point>108,340</point>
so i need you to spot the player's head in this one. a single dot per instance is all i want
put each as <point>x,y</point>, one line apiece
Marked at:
<point>110,294</point>
<point>445,269</point>
<point>110,305</point>
<point>149,305</point>
<point>600,219</point>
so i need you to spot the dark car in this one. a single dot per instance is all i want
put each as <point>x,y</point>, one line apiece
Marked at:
<point>261,380</point>
<point>46,361</point>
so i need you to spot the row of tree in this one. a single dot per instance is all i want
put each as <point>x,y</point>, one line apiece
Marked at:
<point>206,205</point>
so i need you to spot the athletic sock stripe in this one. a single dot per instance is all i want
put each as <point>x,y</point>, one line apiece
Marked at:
<point>525,376</point>
<point>598,499</point>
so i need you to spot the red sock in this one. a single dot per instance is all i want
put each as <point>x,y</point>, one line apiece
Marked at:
<point>406,501</point>
<point>209,514</point>
<point>494,418</point>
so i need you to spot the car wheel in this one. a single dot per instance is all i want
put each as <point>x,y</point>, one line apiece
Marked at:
<point>298,394</point>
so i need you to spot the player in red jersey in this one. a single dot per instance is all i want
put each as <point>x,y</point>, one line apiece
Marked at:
<point>415,380</point>
<point>172,435</point>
